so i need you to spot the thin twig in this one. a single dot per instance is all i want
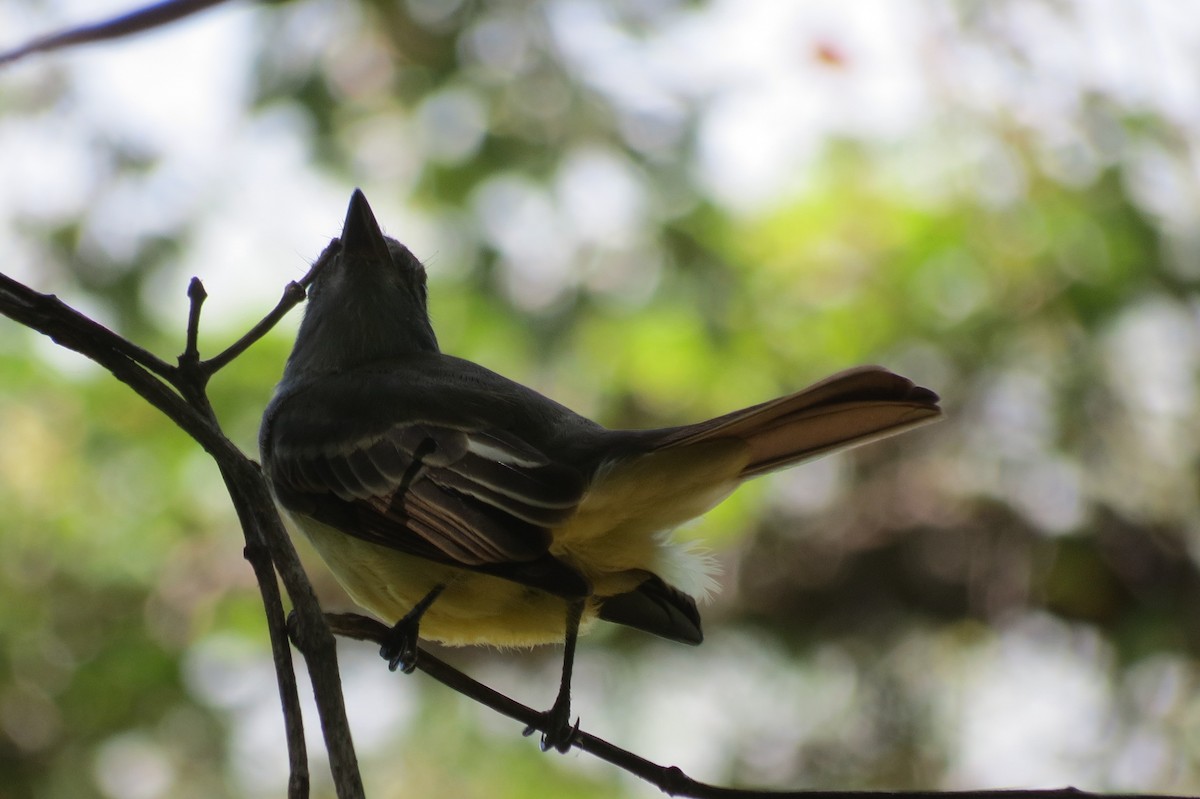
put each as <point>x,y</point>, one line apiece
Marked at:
<point>20,298</point>
<point>196,297</point>
<point>191,380</point>
<point>143,19</point>
<point>258,554</point>
<point>293,295</point>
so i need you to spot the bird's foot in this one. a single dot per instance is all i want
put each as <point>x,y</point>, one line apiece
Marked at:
<point>559,733</point>
<point>399,649</point>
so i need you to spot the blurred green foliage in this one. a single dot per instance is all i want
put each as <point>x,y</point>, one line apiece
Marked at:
<point>1037,547</point>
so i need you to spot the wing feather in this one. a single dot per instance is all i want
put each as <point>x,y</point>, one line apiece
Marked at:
<point>388,463</point>
<point>472,497</point>
<point>373,480</point>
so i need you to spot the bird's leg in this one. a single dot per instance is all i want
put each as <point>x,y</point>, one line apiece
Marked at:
<point>400,648</point>
<point>559,732</point>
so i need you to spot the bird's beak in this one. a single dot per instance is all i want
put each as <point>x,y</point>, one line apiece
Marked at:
<point>361,236</point>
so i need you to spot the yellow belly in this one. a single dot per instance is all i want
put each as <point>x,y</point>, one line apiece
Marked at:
<point>473,609</point>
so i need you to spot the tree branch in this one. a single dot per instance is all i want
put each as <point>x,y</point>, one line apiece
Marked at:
<point>179,394</point>
<point>293,295</point>
<point>668,779</point>
<point>143,19</point>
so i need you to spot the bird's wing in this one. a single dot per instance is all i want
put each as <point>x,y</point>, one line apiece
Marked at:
<point>463,492</point>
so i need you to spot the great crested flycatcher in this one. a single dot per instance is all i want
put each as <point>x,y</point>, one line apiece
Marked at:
<point>448,497</point>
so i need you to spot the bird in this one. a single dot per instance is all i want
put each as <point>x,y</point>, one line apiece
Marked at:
<point>463,507</point>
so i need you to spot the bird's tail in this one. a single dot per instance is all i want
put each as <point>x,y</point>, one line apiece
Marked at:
<point>679,473</point>
<point>850,408</point>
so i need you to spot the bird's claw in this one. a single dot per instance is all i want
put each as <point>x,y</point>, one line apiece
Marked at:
<point>559,733</point>
<point>400,648</point>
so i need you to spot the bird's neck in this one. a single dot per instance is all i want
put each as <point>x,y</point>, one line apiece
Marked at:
<point>337,339</point>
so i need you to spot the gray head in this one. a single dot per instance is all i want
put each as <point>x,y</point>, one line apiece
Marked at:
<point>367,304</point>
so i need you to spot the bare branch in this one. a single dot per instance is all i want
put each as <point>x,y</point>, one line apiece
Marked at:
<point>143,19</point>
<point>259,556</point>
<point>293,295</point>
<point>669,779</point>
<point>196,297</point>
<point>184,402</point>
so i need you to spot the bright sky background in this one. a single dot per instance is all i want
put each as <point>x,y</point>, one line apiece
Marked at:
<point>180,92</point>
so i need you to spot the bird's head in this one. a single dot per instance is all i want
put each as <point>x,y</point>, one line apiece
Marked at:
<point>368,303</point>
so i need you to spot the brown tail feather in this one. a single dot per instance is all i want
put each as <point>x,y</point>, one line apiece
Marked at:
<point>847,409</point>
